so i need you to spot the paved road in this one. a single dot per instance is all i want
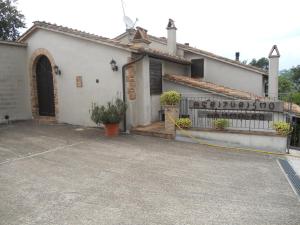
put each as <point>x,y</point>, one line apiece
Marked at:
<point>66,175</point>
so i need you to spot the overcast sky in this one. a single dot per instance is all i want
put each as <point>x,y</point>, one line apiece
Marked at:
<point>219,26</point>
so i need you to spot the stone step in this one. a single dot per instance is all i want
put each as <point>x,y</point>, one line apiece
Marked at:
<point>156,129</point>
<point>46,120</point>
<point>153,134</point>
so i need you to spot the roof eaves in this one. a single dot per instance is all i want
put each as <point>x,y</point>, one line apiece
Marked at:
<point>74,33</point>
<point>223,59</point>
<point>163,55</point>
<point>234,93</point>
<point>13,43</point>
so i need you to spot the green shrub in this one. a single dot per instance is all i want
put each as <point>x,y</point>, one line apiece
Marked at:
<point>113,112</point>
<point>221,123</point>
<point>170,98</point>
<point>282,128</point>
<point>184,123</point>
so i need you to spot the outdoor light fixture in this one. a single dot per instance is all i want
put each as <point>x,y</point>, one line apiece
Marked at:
<point>57,71</point>
<point>114,66</point>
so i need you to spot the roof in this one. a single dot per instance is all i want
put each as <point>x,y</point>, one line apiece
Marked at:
<point>221,90</point>
<point>207,54</point>
<point>72,32</point>
<point>102,40</point>
<point>13,43</point>
<point>162,55</point>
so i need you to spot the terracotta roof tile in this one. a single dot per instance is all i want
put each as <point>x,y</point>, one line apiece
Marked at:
<point>162,55</point>
<point>219,89</point>
<point>70,31</point>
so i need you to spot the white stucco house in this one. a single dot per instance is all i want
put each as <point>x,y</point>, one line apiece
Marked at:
<point>57,72</point>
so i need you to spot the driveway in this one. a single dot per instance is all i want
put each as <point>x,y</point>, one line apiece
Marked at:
<point>68,175</point>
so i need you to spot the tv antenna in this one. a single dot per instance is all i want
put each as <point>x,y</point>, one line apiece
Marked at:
<point>128,22</point>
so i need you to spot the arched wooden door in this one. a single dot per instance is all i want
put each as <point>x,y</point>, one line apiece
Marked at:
<point>45,90</point>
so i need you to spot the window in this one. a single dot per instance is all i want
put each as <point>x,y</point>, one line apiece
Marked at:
<point>197,68</point>
<point>265,86</point>
<point>155,77</point>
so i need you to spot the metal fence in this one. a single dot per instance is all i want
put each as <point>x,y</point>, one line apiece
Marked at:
<point>239,118</point>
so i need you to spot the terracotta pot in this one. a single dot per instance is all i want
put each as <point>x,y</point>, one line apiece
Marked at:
<point>111,129</point>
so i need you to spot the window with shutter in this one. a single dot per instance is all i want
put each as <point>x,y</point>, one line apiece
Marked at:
<point>197,68</point>
<point>155,77</point>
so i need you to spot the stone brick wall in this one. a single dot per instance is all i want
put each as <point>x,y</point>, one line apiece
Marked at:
<point>14,89</point>
<point>131,82</point>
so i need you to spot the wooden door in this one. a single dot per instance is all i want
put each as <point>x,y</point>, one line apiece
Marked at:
<point>45,90</point>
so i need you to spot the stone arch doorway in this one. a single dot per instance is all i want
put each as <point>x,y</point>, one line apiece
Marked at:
<point>44,100</point>
<point>45,88</point>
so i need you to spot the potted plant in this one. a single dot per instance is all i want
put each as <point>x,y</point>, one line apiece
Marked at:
<point>220,124</point>
<point>170,101</point>
<point>110,115</point>
<point>282,128</point>
<point>184,123</point>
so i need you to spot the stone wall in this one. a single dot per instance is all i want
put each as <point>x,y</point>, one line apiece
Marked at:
<point>14,85</point>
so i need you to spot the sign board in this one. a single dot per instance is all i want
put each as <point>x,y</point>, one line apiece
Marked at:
<point>250,105</point>
<point>236,115</point>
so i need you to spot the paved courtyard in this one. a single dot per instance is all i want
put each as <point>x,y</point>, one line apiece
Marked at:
<point>67,175</point>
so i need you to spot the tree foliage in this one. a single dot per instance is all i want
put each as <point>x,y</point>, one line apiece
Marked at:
<point>285,85</point>
<point>262,63</point>
<point>10,20</point>
<point>289,85</point>
<point>295,76</point>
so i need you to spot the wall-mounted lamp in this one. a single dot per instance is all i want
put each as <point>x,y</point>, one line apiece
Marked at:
<point>114,66</point>
<point>57,71</point>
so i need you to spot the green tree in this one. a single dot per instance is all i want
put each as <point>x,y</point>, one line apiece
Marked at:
<point>285,85</point>
<point>10,20</point>
<point>262,63</point>
<point>295,76</point>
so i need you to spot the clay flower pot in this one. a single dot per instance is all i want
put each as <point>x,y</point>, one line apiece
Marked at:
<point>111,129</point>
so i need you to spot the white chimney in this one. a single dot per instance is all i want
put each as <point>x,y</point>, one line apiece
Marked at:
<point>172,48</point>
<point>273,72</point>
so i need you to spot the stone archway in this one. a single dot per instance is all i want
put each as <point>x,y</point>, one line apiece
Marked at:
<point>33,81</point>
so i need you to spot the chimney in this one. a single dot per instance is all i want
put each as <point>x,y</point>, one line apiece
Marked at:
<point>273,72</point>
<point>237,56</point>
<point>171,42</point>
<point>140,38</point>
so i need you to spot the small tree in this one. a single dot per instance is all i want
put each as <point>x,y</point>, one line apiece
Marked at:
<point>295,77</point>
<point>262,63</point>
<point>285,86</point>
<point>10,20</point>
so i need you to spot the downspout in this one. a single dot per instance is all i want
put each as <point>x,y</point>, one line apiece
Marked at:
<point>124,83</point>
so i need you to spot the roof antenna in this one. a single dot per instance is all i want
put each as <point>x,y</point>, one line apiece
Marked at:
<point>128,22</point>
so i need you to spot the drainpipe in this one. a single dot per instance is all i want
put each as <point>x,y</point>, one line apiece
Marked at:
<point>124,83</point>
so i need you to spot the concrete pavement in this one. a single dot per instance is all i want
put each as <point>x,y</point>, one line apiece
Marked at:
<point>62,174</point>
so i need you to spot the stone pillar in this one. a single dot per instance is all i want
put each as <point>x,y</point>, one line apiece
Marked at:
<point>273,73</point>
<point>171,114</point>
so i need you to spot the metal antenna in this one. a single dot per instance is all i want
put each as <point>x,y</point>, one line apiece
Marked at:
<point>128,22</point>
<point>122,2</point>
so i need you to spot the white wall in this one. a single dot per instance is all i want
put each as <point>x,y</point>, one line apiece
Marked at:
<point>272,143</point>
<point>175,68</point>
<point>14,83</point>
<point>230,76</point>
<point>142,105</point>
<point>90,60</point>
<point>188,91</point>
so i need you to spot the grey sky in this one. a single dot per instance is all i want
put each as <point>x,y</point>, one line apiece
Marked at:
<point>221,27</point>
